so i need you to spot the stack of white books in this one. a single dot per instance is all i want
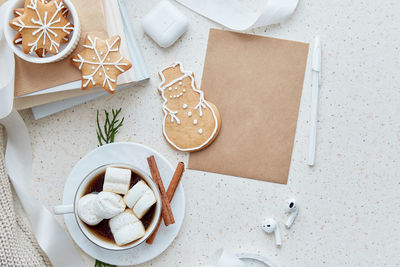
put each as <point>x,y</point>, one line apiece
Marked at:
<point>47,102</point>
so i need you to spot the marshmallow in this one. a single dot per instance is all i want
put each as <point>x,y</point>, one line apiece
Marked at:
<point>126,228</point>
<point>117,180</point>
<point>144,204</point>
<point>87,209</point>
<point>135,193</point>
<point>109,204</point>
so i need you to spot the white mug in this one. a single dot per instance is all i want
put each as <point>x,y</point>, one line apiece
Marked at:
<point>72,208</point>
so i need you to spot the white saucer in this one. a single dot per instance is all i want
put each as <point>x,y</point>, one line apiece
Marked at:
<point>134,154</point>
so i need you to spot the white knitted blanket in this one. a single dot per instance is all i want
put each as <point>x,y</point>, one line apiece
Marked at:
<point>18,246</point>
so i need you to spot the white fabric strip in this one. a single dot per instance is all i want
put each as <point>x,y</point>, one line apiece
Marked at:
<point>6,70</point>
<point>223,258</point>
<point>50,235</point>
<point>237,17</point>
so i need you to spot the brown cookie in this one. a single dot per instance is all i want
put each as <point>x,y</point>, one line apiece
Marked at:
<point>190,122</point>
<point>18,12</point>
<point>101,62</point>
<point>65,40</point>
<point>41,52</point>
<point>42,25</point>
<point>18,36</point>
<point>18,39</point>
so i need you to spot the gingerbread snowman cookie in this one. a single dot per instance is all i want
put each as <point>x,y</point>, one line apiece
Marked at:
<point>190,122</point>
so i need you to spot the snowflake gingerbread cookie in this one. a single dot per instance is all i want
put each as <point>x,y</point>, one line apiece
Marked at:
<point>190,122</point>
<point>101,62</point>
<point>18,36</point>
<point>42,26</point>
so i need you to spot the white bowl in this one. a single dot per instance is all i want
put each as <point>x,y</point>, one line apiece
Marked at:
<point>65,49</point>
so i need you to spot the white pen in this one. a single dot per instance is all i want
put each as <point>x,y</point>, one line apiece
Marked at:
<point>316,69</point>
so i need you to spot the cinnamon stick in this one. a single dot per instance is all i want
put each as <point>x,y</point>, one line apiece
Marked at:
<point>170,194</point>
<point>166,211</point>
<point>173,185</point>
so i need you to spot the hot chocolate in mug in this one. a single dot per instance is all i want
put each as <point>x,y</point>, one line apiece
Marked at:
<point>101,234</point>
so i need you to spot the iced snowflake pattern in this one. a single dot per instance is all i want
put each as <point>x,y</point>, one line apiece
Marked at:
<point>45,26</point>
<point>101,64</point>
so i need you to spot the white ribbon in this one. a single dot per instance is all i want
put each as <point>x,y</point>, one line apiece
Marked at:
<point>223,258</point>
<point>6,70</point>
<point>237,17</point>
<point>18,158</point>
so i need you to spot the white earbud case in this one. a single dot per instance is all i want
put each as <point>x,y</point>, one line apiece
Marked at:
<point>165,24</point>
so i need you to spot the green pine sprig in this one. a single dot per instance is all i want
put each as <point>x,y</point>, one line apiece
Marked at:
<point>106,134</point>
<point>102,264</point>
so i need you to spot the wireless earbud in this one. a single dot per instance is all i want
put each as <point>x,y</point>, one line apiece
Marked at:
<point>270,226</point>
<point>293,209</point>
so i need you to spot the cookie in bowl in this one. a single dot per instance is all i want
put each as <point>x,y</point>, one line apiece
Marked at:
<point>41,31</point>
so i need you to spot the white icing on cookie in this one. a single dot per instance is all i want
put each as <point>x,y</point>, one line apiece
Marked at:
<point>18,13</point>
<point>194,122</point>
<point>199,107</point>
<point>177,96</point>
<point>173,116</point>
<point>184,106</point>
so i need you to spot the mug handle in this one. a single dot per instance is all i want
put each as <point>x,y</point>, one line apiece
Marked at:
<point>63,209</point>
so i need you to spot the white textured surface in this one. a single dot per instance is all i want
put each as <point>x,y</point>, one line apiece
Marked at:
<point>349,213</point>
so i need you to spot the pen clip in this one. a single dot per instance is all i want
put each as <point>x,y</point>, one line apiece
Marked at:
<point>316,58</point>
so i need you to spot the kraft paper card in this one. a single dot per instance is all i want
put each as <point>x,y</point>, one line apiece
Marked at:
<point>30,77</point>
<point>256,83</point>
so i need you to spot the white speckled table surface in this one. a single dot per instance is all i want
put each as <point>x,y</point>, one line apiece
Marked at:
<point>350,200</point>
